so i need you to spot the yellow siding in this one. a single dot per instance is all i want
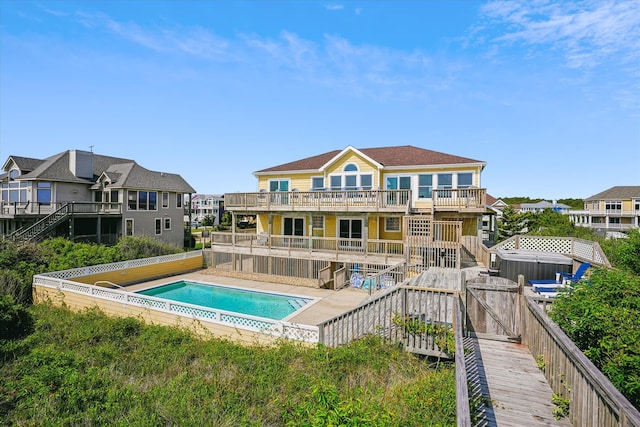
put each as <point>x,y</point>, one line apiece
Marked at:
<point>627,205</point>
<point>262,223</point>
<point>364,166</point>
<point>147,272</point>
<point>330,225</point>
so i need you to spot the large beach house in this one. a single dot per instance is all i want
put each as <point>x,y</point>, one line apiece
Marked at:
<point>614,209</point>
<point>90,197</point>
<point>360,209</point>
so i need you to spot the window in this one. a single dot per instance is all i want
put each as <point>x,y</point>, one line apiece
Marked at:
<point>165,200</point>
<point>350,229</point>
<point>392,224</point>
<point>350,168</point>
<point>293,227</point>
<point>141,200</point>
<point>465,180</point>
<point>179,197</point>
<point>14,192</point>
<point>13,174</point>
<point>425,186</point>
<point>167,223</point>
<point>43,192</point>
<point>366,181</point>
<point>636,205</point>
<point>614,220</point>
<point>445,181</point>
<point>317,222</point>
<point>351,182</point>
<point>279,185</point>
<point>158,226</point>
<point>129,226</point>
<point>336,182</point>
<point>317,183</point>
<point>613,205</point>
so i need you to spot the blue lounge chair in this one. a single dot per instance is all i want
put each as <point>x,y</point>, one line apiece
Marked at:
<point>550,288</point>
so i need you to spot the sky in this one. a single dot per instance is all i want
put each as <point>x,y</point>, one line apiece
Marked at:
<point>547,93</point>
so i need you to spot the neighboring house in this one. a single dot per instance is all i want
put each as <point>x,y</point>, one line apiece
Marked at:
<point>490,219</point>
<point>90,197</point>
<point>615,209</point>
<point>539,207</point>
<point>203,205</point>
<point>377,205</point>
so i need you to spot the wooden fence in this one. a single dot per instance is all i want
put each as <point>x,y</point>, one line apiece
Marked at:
<point>594,401</point>
<point>385,313</point>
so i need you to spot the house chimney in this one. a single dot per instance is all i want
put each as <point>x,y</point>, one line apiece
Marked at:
<point>81,163</point>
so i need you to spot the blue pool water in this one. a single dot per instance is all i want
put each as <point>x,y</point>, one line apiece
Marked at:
<point>254,303</point>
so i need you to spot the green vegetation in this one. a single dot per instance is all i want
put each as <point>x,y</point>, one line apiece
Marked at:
<point>20,261</point>
<point>89,369</point>
<point>601,317</point>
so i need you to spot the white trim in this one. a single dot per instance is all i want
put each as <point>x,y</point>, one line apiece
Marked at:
<point>386,230</point>
<point>435,168</point>
<point>346,150</point>
<point>133,227</point>
<point>156,228</point>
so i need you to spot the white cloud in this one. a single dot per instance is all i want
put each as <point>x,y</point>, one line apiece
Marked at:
<point>334,7</point>
<point>587,33</point>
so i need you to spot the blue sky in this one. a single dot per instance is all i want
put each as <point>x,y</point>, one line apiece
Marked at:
<point>547,93</point>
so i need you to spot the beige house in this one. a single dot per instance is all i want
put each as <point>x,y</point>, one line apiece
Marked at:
<point>615,209</point>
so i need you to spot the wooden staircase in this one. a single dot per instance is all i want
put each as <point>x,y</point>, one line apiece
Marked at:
<point>42,228</point>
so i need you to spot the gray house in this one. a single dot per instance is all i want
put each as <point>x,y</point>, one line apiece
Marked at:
<point>89,197</point>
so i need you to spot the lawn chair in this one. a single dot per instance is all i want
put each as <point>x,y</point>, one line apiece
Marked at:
<point>550,288</point>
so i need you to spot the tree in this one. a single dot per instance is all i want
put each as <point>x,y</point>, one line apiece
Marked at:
<point>511,223</point>
<point>624,253</point>
<point>208,220</point>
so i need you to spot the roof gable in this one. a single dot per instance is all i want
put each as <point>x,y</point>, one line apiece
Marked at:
<point>344,152</point>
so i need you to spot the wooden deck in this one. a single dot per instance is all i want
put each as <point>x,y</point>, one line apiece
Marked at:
<point>512,389</point>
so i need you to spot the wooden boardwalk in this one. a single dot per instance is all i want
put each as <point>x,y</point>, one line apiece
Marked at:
<point>512,390</point>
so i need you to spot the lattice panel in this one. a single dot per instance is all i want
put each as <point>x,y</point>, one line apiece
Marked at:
<point>246,322</point>
<point>203,314</point>
<point>76,287</point>
<point>558,246</point>
<point>109,294</point>
<point>146,302</point>
<point>419,225</point>
<point>306,334</point>
<point>583,249</point>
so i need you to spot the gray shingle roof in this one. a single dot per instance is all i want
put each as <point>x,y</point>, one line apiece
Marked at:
<point>620,192</point>
<point>129,174</point>
<point>406,155</point>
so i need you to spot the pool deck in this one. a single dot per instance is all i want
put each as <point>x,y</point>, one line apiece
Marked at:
<point>328,303</point>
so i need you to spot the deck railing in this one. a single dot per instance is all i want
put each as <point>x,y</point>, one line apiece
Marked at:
<point>594,401</point>
<point>308,244</point>
<point>459,199</point>
<point>324,200</point>
<point>376,317</point>
<point>12,208</point>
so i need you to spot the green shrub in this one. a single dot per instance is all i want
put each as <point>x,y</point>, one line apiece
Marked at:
<point>15,320</point>
<point>143,247</point>
<point>601,317</point>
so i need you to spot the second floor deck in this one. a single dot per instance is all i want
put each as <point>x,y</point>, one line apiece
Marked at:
<point>469,200</point>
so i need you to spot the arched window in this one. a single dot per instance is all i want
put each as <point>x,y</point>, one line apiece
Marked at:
<point>13,174</point>
<point>351,167</point>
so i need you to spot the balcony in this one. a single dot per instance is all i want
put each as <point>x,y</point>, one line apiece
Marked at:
<point>310,247</point>
<point>469,200</point>
<point>11,209</point>
<point>394,201</point>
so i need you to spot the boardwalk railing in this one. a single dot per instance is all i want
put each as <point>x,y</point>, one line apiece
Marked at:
<point>463,410</point>
<point>594,401</point>
<point>583,250</point>
<point>376,317</point>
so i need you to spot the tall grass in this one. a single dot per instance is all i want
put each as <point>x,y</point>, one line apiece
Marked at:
<point>88,369</point>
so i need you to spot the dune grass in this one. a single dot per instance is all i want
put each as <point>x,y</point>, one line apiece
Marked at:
<point>89,369</point>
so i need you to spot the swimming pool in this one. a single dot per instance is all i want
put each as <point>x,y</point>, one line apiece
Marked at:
<point>237,300</point>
